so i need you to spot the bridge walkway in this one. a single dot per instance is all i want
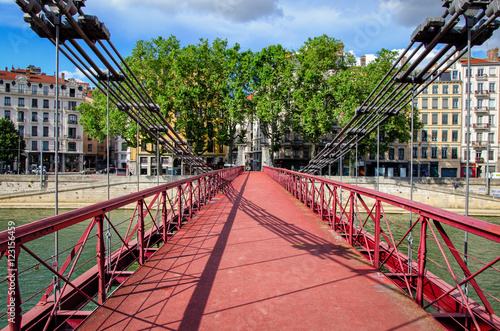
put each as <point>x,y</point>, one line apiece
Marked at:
<point>256,258</point>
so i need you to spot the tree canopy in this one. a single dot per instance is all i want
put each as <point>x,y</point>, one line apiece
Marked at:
<point>10,141</point>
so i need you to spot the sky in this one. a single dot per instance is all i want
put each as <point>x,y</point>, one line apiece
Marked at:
<point>364,26</point>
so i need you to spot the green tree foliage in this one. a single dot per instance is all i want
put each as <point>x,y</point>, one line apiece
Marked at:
<point>313,104</point>
<point>273,85</point>
<point>10,141</point>
<point>352,86</point>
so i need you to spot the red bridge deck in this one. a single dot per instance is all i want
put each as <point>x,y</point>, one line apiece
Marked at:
<point>256,258</point>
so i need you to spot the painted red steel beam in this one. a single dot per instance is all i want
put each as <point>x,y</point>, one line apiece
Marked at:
<point>481,228</point>
<point>26,233</point>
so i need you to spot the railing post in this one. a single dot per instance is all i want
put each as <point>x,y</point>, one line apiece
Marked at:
<point>199,195</point>
<point>179,206</point>
<point>351,218</point>
<point>13,291</point>
<point>334,220</point>
<point>313,194</point>
<point>164,215</point>
<point>322,200</point>
<point>140,232</point>
<point>101,259</point>
<point>377,234</point>
<point>422,259</point>
<point>190,185</point>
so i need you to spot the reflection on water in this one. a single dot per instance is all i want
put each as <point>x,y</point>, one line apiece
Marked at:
<point>35,279</point>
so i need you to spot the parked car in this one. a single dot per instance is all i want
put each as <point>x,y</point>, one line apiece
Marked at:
<point>112,170</point>
<point>37,171</point>
<point>88,171</point>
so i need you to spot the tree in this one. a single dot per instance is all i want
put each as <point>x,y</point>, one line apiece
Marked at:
<point>11,142</point>
<point>353,86</point>
<point>313,104</point>
<point>272,86</point>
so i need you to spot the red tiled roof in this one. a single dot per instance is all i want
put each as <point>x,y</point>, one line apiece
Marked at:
<point>33,78</point>
<point>479,61</point>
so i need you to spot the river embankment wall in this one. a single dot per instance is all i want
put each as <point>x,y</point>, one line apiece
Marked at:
<point>27,191</point>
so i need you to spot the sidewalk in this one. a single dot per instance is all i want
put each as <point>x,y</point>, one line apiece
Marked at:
<point>256,258</point>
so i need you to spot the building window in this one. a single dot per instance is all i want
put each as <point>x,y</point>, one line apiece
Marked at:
<point>71,105</point>
<point>21,130</point>
<point>45,146</point>
<point>58,104</point>
<point>72,133</point>
<point>445,89</point>
<point>434,152</point>
<point>444,152</point>
<point>34,145</point>
<point>454,136</point>
<point>425,103</point>
<point>434,119</point>
<point>7,114</point>
<point>444,135</point>
<point>425,119</point>
<point>454,74</point>
<point>34,90</point>
<point>72,119</point>
<point>296,153</point>
<point>401,154</point>
<point>444,119</point>
<point>424,135</point>
<point>46,90</point>
<point>45,131</point>
<point>45,117</point>
<point>454,118</point>
<point>34,103</point>
<point>89,148</point>
<point>491,155</point>
<point>425,90</point>
<point>72,93</point>
<point>391,153</point>
<point>34,116</point>
<point>415,152</point>
<point>492,104</point>
<point>435,89</point>
<point>7,88</point>
<point>445,103</point>
<point>20,88</point>
<point>454,153</point>
<point>34,131</point>
<point>6,101</point>
<point>455,104</point>
<point>20,116</point>
<point>434,135</point>
<point>72,147</point>
<point>46,104</point>
<point>124,147</point>
<point>305,153</point>
<point>424,152</point>
<point>492,87</point>
<point>20,102</point>
<point>491,138</point>
<point>456,89</point>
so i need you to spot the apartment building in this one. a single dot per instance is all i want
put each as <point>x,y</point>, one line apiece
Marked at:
<point>27,97</point>
<point>436,152</point>
<point>483,121</point>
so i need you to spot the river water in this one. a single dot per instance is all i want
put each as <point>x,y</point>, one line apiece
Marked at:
<point>35,278</point>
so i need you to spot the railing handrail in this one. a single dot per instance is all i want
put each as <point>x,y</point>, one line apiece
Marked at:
<point>484,229</point>
<point>34,230</point>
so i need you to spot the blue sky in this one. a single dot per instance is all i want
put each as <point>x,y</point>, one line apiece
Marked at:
<point>365,26</point>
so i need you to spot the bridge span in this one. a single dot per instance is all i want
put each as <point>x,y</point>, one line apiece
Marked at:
<point>256,259</point>
<point>258,250</point>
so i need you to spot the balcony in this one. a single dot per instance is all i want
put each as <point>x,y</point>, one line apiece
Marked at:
<point>481,110</point>
<point>479,159</point>
<point>482,77</point>
<point>482,93</point>
<point>479,144</point>
<point>481,126</point>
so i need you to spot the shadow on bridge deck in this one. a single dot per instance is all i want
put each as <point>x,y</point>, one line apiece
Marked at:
<point>256,258</point>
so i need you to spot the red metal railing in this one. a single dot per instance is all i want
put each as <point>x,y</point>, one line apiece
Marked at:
<point>417,246</point>
<point>157,213</point>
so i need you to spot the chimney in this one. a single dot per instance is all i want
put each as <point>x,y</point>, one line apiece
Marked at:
<point>62,76</point>
<point>493,55</point>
